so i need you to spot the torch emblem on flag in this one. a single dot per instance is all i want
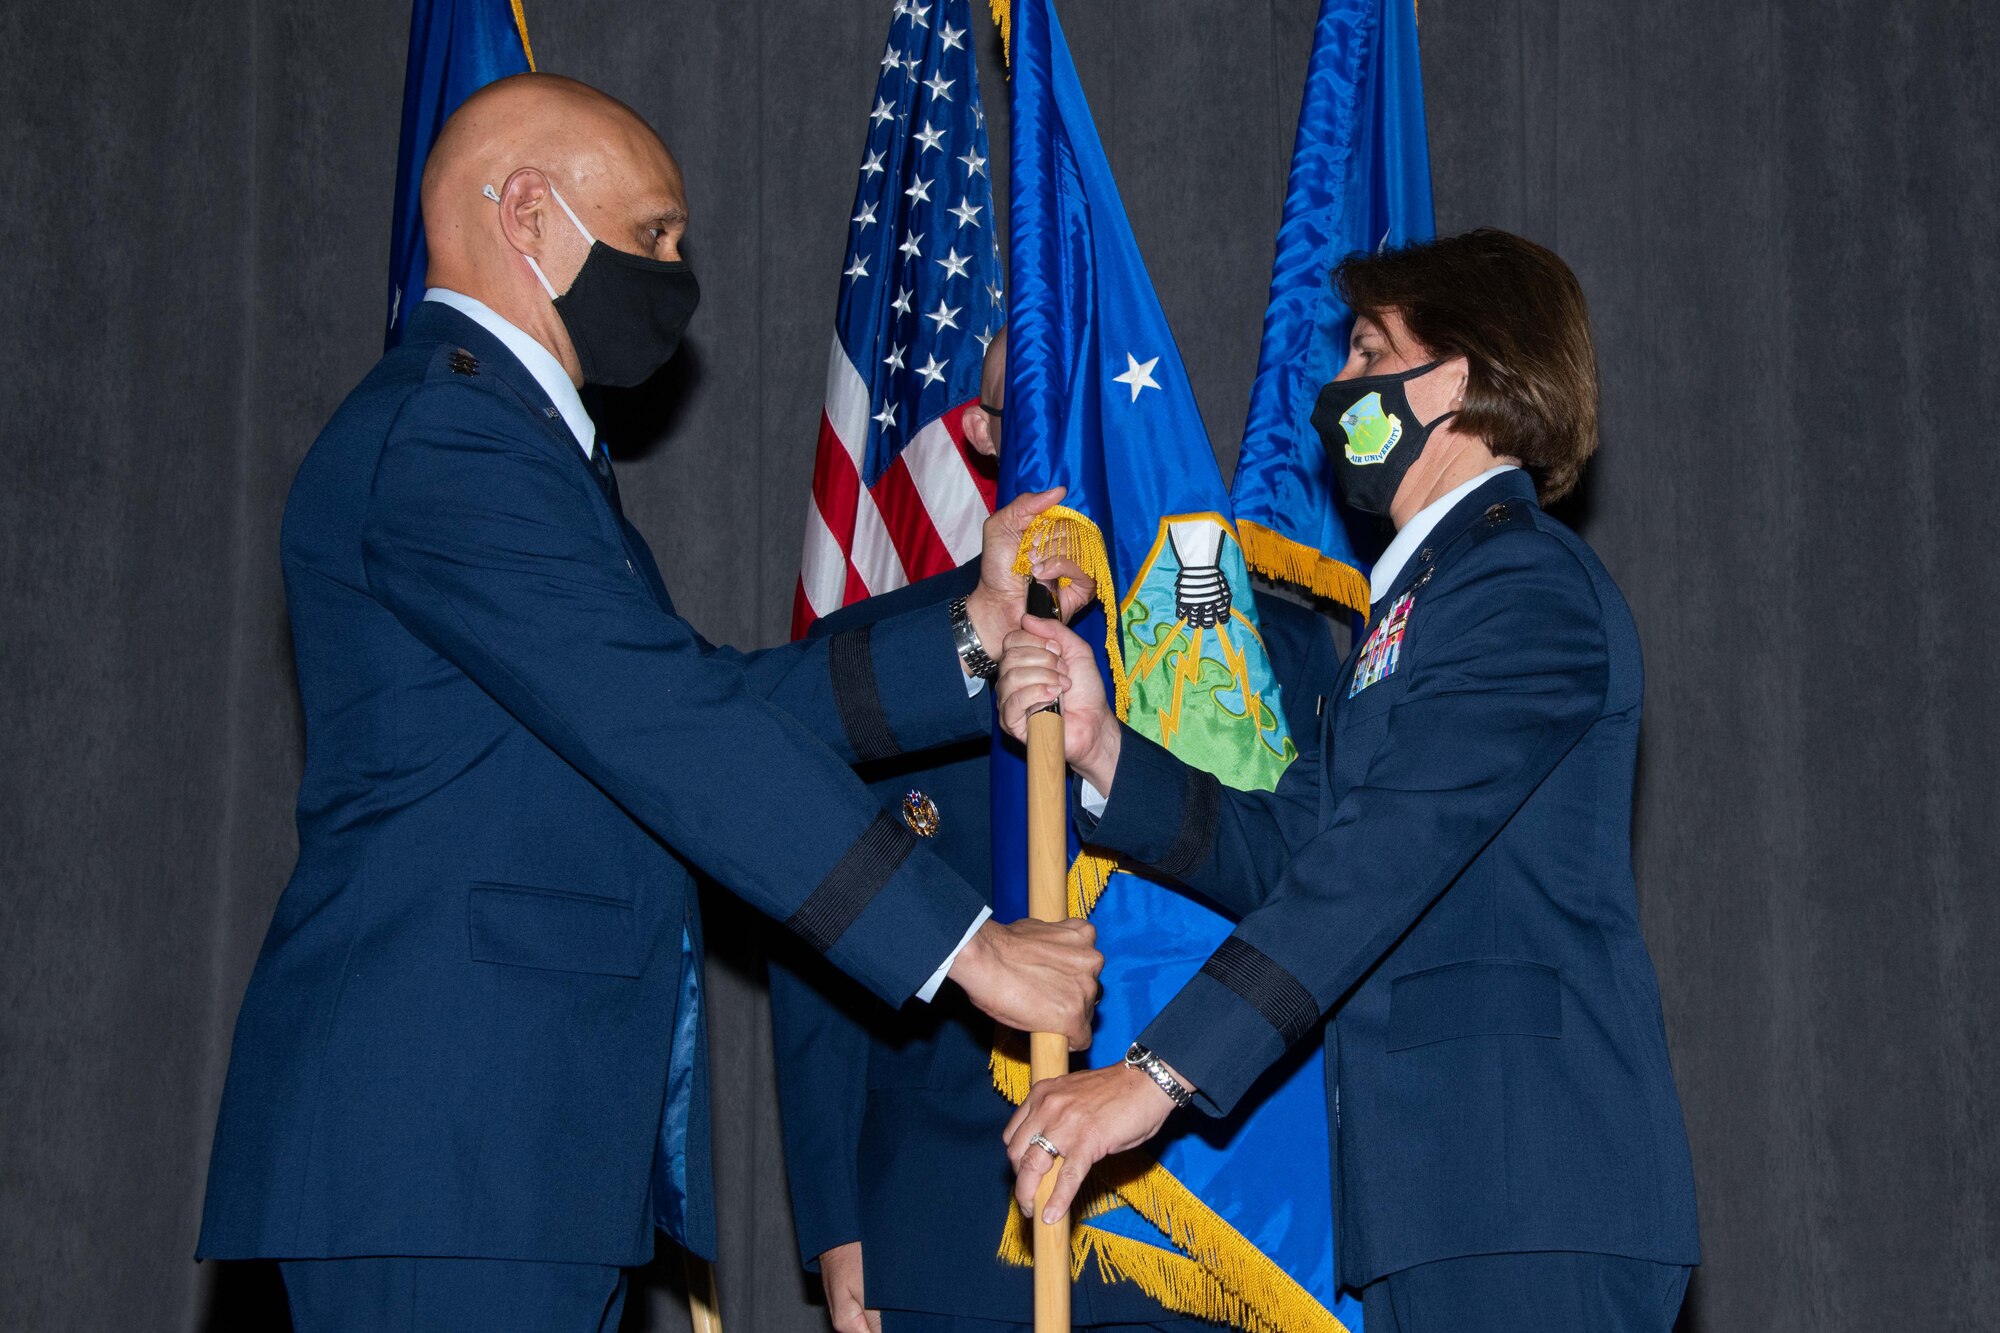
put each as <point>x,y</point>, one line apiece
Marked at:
<point>897,496</point>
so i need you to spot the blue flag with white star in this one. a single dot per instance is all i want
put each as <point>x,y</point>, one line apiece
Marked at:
<point>1360,180</point>
<point>457,47</point>
<point>1234,1222</point>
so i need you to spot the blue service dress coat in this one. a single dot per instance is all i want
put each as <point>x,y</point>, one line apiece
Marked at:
<point>474,1026</point>
<point>1451,881</point>
<point>891,1122</point>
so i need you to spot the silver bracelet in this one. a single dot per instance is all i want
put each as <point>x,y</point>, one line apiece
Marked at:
<point>1149,1064</point>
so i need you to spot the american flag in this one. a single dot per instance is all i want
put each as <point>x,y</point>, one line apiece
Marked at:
<point>897,494</point>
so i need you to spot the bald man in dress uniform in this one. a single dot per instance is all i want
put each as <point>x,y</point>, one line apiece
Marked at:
<point>469,1076</point>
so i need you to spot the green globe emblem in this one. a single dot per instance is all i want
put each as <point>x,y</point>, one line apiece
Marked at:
<point>1371,432</point>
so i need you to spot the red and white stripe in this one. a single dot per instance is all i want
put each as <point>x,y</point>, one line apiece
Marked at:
<point>921,517</point>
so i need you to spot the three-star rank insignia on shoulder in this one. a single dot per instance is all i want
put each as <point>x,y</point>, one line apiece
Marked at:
<point>463,362</point>
<point>920,814</point>
<point>1384,648</point>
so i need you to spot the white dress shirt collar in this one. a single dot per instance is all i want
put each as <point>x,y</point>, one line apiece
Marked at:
<point>1411,535</point>
<point>535,358</point>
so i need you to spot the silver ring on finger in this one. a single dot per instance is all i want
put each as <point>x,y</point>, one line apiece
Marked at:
<point>1041,1142</point>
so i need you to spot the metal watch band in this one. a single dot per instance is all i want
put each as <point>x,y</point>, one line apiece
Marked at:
<point>970,650</point>
<point>1149,1064</point>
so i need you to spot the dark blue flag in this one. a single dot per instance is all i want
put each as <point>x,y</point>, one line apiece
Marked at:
<point>1360,180</point>
<point>457,47</point>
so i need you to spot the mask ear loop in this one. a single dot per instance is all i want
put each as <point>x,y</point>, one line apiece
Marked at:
<point>489,192</point>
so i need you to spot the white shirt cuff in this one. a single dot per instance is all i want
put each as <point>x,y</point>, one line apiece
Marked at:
<point>973,685</point>
<point>930,989</point>
<point>1093,799</point>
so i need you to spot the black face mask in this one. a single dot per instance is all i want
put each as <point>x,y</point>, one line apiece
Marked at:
<point>625,313</point>
<point>1371,434</point>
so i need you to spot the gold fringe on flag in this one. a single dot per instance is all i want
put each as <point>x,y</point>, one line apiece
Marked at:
<point>1003,18</point>
<point>521,26</point>
<point>1220,1276</point>
<point>1277,556</point>
<point>1063,532</point>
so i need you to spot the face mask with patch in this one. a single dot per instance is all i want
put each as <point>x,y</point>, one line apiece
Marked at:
<point>1372,435</point>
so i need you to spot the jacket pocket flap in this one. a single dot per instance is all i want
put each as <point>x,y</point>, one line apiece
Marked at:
<point>547,928</point>
<point>1485,998</point>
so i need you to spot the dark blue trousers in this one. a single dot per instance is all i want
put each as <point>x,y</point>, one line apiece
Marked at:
<point>912,1321</point>
<point>399,1294</point>
<point>1553,1292</point>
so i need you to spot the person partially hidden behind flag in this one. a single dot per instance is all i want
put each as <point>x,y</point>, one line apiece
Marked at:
<point>891,1121</point>
<point>1445,894</point>
<point>468,1078</point>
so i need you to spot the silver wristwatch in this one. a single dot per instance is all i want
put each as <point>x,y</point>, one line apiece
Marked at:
<point>1143,1060</point>
<point>970,650</point>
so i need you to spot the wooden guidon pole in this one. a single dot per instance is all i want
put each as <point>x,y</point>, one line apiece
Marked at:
<point>704,1314</point>
<point>1048,900</point>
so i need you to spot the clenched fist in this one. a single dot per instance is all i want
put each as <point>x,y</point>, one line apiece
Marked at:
<point>1042,662</point>
<point>1037,976</point>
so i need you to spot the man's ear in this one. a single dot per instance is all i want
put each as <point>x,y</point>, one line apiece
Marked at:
<point>524,211</point>
<point>978,431</point>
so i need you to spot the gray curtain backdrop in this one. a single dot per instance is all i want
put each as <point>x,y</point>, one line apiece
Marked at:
<point>1782,213</point>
